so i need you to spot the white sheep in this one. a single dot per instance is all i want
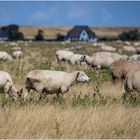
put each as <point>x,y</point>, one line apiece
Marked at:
<point>75,59</point>
<point>15,48</point>
<point>4,56</point>
<point>102,59</point>
<point>63,55</point>
<point>108,48</point>
<point>129,49</point>
<point>6,85</point>
<point>17,54</point>
<point>52,82</point>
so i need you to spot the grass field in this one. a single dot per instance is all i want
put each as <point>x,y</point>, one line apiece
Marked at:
<point>90,110</point>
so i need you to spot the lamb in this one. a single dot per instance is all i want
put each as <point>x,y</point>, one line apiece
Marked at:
<point>63,55</point>
<point>119,69</point>
<point>4,56</point>
<point>7,86</point>
<point>50,82</point>
<point>17,54</point>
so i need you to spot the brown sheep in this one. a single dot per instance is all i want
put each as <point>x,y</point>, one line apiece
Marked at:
<point>120,68</point>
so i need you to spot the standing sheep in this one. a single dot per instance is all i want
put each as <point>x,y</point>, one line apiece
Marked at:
<point>4,56</point>
<point>6,85</point>
<point>63,55</point>
<point>119,69</point>
<point>75,59</point>
<point>132,82</point>
<point>17,54</point>
<point>50,82</point>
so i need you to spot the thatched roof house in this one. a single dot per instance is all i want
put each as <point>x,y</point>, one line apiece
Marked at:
<point>80,33</point>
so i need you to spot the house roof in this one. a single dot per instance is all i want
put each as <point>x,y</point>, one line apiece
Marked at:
<point>76,31</point>
<point>3,34</point>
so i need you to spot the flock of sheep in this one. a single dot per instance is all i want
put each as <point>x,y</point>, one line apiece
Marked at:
<point>121,67</point>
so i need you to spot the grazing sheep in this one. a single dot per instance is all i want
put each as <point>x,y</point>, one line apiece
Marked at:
<point>102,59</point>
<point>50,82</point>
<point>132,82</point>
<point>137,50</point>
<point>137,44</point>
<point>135,57</point>
<point>4,56</point>
<point>75,59</point>
<point>17,54</point>
<point>15,48</point>
<point>108,48</point>
<point>127,43</point>
<point>119,69</point>
<point>63,55</point>
<point>129,49</point>
<point>6,85</point>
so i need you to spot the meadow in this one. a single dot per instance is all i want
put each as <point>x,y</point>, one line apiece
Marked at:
<point>91,110</point>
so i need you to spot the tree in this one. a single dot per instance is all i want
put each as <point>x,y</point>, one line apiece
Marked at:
<point>39,36</point>
<point>130,35</point>
<point>60,37</point>
<point>13,32</point>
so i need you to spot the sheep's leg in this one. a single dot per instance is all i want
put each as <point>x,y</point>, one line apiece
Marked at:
<point>25,92</point>
<point>63,90</point>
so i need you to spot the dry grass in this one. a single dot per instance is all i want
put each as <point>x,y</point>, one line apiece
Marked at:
<point>93,110</point>
<point>31,31</point>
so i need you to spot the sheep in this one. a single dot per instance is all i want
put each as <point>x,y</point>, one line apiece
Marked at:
<point>63,55</point>
<point>135,57</point>
<point>15,48</point>
<point>17,54</point>
<point>75,59</point>
<point>4,56</point>
<point>129,49</point>
<point>132,82</point>
<point>102,59</point>
<point>108,48</point>
<point>7,86</point>
<point>127,43</point>
<point>52,82</point>
<point>119,69</point>
<point>137,44</point>
<point>75,48</point>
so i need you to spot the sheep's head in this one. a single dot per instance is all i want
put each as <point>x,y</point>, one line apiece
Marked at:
<point>13,92</point>
<point>82,59</point>
<point>82,77</point>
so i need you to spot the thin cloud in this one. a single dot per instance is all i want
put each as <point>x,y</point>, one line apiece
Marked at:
<point>48,15</point>
<point>78,12</point>
<point>106,15</point>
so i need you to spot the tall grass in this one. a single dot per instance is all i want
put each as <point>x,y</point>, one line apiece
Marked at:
<point>91,110</point>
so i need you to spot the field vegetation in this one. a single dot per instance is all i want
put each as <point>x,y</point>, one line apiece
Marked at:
<point>91,110</point>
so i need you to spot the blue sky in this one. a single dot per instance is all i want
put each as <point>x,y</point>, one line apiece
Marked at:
<point>95,13</point>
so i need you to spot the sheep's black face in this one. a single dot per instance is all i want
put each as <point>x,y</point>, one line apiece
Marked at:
<point>82,59</point>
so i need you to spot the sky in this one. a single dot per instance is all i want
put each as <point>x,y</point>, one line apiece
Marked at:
<point>59,13</point>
